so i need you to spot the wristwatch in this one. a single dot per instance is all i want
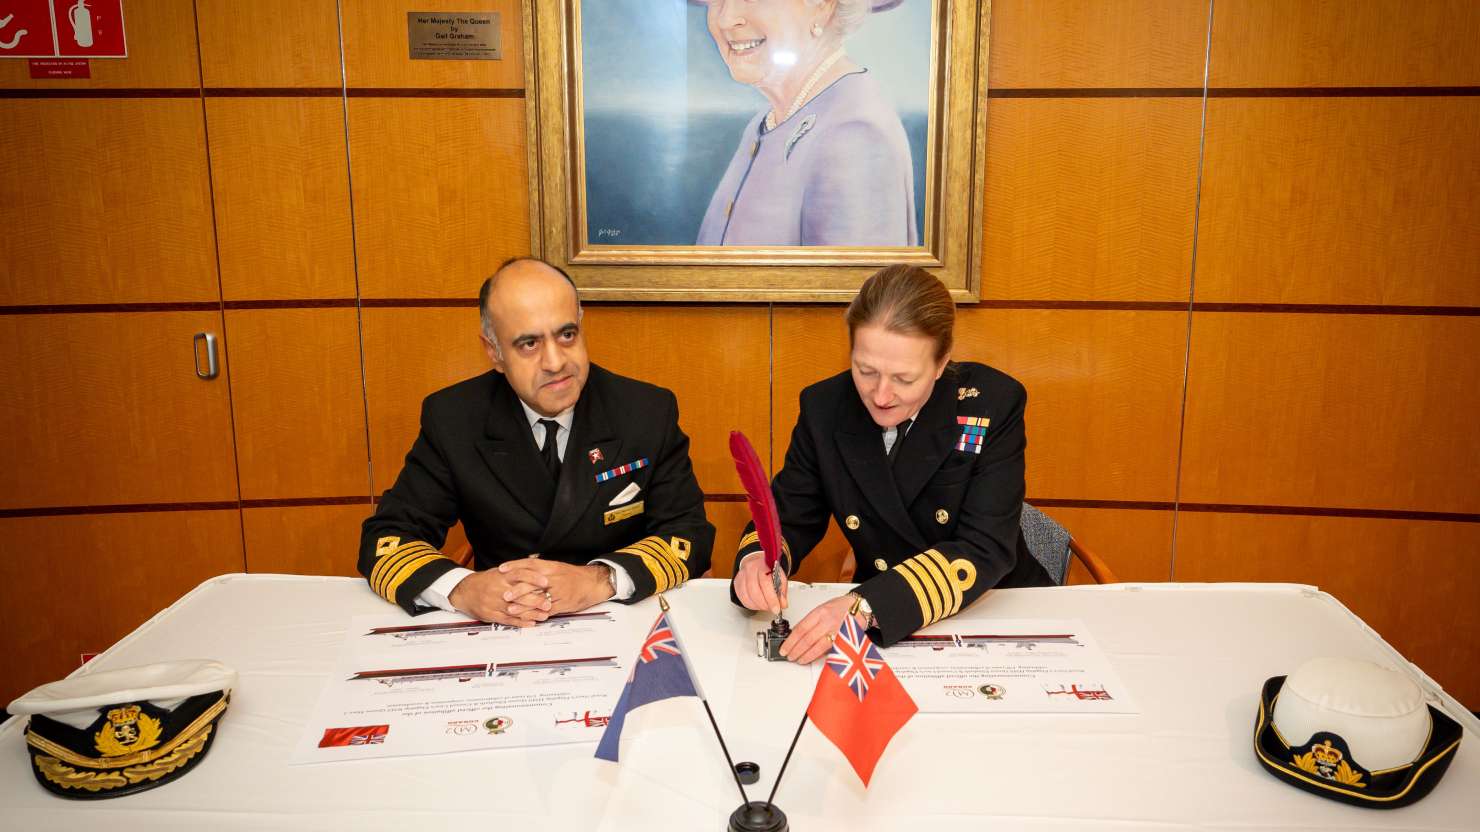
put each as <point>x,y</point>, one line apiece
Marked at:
<point>611,579</point>
<point>866,610</point>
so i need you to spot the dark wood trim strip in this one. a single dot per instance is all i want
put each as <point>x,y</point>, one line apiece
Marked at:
<point>73,92</point>
<point>1341,92</point>
<point>995,303</point>
<point>1040,502</point>
<point>1136,505</point>
<point>273,92</point>
<point>1095,92</point>
<point>512,92</point>
<point>433,92</point>
<point>306,303</point>
<point>987,303</point>
<point>1232,92</point>
<point>299,502</point>
<point>1102,305</point>
<point>120,508</point>
<point>82,308</point>
<point>1287,511</point>
<point>1331,511</point>
<point>409,303</point>
<point>1336,309</point>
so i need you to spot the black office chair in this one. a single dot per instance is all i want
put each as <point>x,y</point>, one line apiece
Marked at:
<point>1054,547</point>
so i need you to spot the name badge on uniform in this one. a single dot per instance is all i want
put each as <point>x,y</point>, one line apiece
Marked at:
<point>973,433</point>
<point>617,515</point>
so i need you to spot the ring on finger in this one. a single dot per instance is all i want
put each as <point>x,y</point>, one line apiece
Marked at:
<point>547,596</point>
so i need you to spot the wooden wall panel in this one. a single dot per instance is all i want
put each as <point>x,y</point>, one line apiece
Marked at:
<point>161,52</point>
<point>439,190</point>
<point>1136,543</point>
<point>106,409</point>
<point>410,353</point>
<point>111,202</point>
<point>822,564</point>
<point>70,585</point>
<point>1269,43</point>
<point>281,186</point>
<point>715,359</point>
<point>376,53</point>
<point>1341,200</point>
<point>1361,411</point>
<point>304,540</point>
<point>1090,199</point>
<point>729,521</point>
<point>1413,582</point>
<point>298,403</point>
<point>269,43</point>
<point>1104,389</point>
<point>1098,43</point>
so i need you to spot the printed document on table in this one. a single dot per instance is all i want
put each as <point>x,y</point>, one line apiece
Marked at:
<point>1008,666</point>
<point>439,683</point>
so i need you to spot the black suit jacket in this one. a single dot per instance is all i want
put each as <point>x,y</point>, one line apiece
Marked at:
<point>476,461</point>
<point>939,527</point>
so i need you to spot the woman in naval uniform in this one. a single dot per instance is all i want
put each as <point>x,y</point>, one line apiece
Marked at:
<point>920,461</point>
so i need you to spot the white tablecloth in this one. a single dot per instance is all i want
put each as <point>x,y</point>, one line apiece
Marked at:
<point>1193,655</point>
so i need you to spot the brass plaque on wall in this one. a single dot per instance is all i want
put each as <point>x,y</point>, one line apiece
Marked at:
<point>453,36</point>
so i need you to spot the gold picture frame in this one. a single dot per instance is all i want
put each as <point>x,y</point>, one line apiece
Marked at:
<point>955,171</point>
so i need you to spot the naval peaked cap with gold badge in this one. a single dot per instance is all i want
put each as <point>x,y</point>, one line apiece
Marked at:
<point>117,732</point>
<point>1353,731</point>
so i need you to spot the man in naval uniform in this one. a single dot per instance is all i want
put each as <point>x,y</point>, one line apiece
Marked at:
<point>573,483</point>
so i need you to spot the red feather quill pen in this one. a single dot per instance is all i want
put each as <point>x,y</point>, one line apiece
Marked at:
<point>758,495</point>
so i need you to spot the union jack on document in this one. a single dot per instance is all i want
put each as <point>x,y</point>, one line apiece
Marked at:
<point>854,658</point>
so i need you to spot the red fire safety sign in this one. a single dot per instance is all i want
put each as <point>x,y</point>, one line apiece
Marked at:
<point>62,29</point>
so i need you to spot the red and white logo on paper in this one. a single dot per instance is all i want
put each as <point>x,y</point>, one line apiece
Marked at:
<point>62,29</point>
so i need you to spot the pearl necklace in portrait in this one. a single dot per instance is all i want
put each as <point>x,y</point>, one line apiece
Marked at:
<point>796,103</point>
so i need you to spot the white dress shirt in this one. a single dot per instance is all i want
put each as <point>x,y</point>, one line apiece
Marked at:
<point>438,593</point>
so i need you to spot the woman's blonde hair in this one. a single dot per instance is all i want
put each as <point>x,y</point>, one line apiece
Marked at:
<point>908,300</point>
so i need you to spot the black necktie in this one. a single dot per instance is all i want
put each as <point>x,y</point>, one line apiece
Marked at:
<point>899,431</point>
<point>551,451</point>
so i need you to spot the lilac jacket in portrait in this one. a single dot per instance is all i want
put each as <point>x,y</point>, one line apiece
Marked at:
<point>837,173</point>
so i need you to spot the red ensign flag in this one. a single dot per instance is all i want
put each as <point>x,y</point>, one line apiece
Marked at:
<point>858,704</point>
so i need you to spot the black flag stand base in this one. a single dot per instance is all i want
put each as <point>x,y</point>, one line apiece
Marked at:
<point>756,816</point>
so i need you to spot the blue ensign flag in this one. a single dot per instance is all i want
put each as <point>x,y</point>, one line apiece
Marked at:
<point>660,673</point>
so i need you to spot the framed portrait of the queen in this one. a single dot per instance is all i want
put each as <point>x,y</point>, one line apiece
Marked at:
<point>755,149</point>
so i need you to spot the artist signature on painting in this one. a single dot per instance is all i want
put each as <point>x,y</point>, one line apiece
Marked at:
<point>608,232</point>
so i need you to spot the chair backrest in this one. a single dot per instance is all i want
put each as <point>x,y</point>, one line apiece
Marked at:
<point>1048,541</point>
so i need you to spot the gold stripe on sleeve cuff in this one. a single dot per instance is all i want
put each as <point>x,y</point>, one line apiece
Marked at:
<point>754,539</point>
<point>909,578</point>
<point>396,565</point>
<point>931,588</point>
<point>390,563</point>
<point>411,568</point>
<point>954,591</point>
<point>667,568</point>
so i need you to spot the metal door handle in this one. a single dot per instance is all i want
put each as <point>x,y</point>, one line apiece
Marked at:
<point>213,369</point>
